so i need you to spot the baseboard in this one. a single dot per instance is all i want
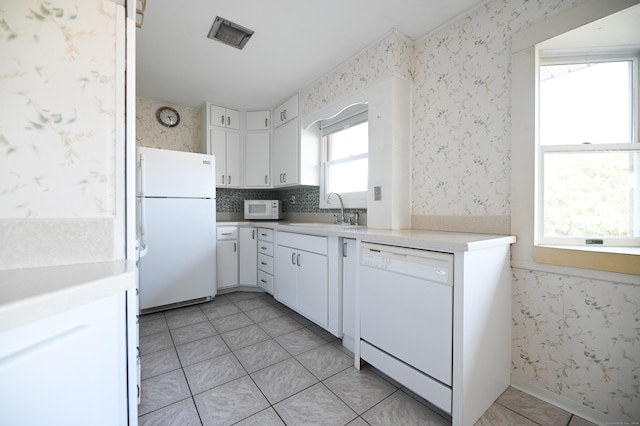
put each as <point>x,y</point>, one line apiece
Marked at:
<point>562,402</point>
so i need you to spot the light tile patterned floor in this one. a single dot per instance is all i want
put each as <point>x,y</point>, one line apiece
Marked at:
<point>246,359</point>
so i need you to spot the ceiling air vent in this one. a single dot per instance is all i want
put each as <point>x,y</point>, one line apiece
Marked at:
<point>229,33</point>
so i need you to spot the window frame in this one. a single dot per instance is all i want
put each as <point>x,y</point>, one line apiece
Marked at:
<point>634,145</point>
<point>354,200</point>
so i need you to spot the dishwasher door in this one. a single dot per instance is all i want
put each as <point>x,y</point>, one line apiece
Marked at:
<point>406,298</point>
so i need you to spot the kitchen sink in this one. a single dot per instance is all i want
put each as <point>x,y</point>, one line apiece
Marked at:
<point>327,225</point>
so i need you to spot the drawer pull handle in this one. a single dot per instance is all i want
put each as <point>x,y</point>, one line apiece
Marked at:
<point>264,263</point>
<point>227,233</point>
<point>263,280</point>
<point>263,248</point>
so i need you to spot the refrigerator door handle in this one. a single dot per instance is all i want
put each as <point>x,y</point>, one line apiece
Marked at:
<point>142,199</point>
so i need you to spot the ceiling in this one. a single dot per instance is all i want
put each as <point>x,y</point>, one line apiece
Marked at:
<point>618,31</point>
<point>295,43</point>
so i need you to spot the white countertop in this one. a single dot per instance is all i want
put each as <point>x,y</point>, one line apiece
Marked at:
<point>422,239</point>
<point>30,294</point>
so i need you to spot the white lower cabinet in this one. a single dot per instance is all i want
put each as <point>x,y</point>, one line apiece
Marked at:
<point>349,271</point>
<point>70,368</point>
<point>227,257</point>
<point>265,259</point>
<point>248,242</point>
<point>302,276</point>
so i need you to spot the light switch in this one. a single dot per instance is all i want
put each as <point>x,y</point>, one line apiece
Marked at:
<point>377,193</point>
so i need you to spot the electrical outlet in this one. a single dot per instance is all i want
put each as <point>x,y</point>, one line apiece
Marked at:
<point>292,200</point>
<point>377,193</point>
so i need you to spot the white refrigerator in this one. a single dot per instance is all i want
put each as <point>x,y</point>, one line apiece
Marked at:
<point>176,227</point>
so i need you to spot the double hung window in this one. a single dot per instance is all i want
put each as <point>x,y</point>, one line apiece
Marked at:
<point>345,147</point>
<point>588,152</point>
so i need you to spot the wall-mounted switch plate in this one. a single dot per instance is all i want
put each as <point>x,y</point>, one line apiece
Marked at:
<point>377,193</point>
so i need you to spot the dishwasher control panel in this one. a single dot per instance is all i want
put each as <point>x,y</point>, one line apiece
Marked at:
<point>423,264</point>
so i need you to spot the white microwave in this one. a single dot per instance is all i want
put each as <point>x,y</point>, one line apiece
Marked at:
<point>263,209</point>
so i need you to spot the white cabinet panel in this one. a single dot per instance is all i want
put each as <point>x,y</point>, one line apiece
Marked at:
<point>257,164</point>
<point>349,268</point>
<point>258,120</point>
<point>248,273</point>
<point>226,148</point>
<point>301,276</point>
<point>312,286</point>
<point>286,112</point>
<point>285,154</point>
<point>227,263</point>
<point>224,117</point>
<point>68,369</point>
<point>286,276</point>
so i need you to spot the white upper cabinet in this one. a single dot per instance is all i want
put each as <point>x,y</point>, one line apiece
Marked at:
<point>226,148</point>
<point>256,159</point>
<point>258,120</point>
<point>224,117</point>
<point>286,112</point>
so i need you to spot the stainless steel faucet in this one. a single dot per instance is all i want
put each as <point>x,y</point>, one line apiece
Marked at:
<point>341,218</point>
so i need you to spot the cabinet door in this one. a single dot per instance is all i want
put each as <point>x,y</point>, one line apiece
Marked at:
<point>312,286</point>
<point>257,152</point>
<point>233,160</point>
<point>217,116</point>
<point>258,120</point>
<point>286,112</point>
<point>218,141</point>
<point>72,365</point>
<point>285,276</point>
<point>349,267</point>
<point>227,263</point>
<point>233,119</point>
<point>248,256</point>
<point>285,155</point>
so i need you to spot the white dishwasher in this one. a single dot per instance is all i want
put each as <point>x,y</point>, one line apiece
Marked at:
<point>406,317</point>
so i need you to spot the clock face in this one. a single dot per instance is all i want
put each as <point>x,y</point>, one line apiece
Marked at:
<point>168,116</point>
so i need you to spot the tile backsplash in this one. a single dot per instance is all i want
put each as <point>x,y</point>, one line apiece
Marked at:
<point>307,199</point>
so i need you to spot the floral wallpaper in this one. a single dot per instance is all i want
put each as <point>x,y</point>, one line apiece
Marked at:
<point>392,55</point>
<point>576,337</point>
<point>57,118</point>
<point>579,338</point>
<point>187,136</point>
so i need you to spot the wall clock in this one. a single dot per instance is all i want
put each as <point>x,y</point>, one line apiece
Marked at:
<point>168,116</point>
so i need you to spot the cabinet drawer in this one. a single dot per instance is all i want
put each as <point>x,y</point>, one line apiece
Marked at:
<point>227,232</point>
<point>265,281</point>
<point>265,248</point>
<point>265,234</point>
<point>265,263</point>
<point>311,243</point>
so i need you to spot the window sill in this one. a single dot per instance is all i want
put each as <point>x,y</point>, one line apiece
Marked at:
<point>624,260</point>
